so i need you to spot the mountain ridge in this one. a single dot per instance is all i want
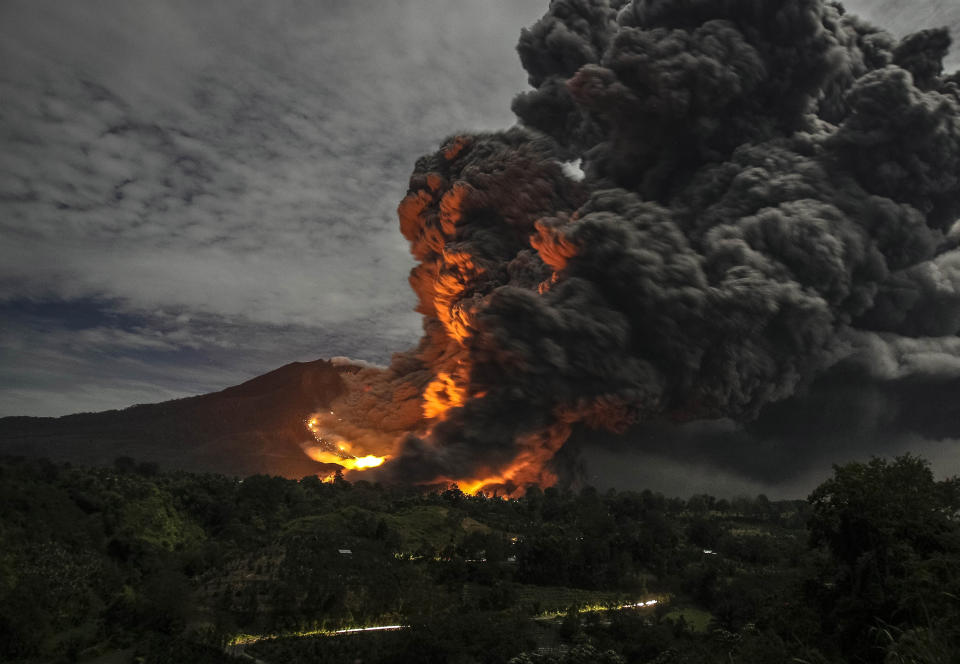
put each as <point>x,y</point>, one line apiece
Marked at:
<point>249,428</point>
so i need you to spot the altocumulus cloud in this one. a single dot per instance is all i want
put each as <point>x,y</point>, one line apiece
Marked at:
<point>220,183</point>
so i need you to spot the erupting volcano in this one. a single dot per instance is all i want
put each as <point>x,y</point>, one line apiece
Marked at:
<point>768,188</point>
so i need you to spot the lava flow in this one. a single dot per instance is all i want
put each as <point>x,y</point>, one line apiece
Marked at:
<point>530,467</point>
<point>332,449</point>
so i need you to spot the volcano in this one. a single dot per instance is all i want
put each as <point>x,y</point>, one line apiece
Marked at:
<point>704,208</point>
<point>254,427</point>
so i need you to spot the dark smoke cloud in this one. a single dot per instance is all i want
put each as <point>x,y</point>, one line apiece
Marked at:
<point>769,190</point>
<point>847,414</point>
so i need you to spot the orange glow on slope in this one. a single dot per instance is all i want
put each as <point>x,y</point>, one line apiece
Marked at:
<point>528,467</point>
<point>328,451</point>
<point>369,461</point>
<point>349,463</point>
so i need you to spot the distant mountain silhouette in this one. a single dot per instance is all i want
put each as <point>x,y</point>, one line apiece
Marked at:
<point>254,427</point>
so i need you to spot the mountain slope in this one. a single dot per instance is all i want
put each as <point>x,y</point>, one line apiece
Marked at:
<point>254,427</point>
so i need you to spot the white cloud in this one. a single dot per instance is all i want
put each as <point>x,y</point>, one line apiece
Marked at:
<point>239,162</point>
<point>901,18</point>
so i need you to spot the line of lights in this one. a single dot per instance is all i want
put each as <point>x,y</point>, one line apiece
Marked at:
<point>248,639</point>
<point>649,602</point>
<point>381,628</point>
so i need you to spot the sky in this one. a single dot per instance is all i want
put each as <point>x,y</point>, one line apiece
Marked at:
<point>193,194</point>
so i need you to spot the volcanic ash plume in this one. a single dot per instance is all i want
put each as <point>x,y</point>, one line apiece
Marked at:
<point>769,188</point>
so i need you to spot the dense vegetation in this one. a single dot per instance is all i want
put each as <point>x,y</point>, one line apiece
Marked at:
<point>128,563</point>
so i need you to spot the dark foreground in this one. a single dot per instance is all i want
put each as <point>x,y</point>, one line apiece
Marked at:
<point>126,564</point>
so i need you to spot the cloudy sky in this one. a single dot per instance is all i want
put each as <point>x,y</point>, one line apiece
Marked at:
<point>195,193</point>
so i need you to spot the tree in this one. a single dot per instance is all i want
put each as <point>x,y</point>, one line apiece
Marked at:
<point>892,532</point>
<point>878,507</point>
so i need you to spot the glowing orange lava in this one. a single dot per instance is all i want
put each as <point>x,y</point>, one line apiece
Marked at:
<point>527,468</point>
<point>349,463</point>
<point>330,448</point>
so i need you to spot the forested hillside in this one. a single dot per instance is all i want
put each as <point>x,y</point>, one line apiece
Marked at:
<point>125,563</point>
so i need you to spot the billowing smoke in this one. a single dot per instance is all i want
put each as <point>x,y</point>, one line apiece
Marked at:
<point>769,189</point>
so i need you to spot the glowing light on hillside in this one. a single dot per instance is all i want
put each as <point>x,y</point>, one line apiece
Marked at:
<point>333,449</point>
